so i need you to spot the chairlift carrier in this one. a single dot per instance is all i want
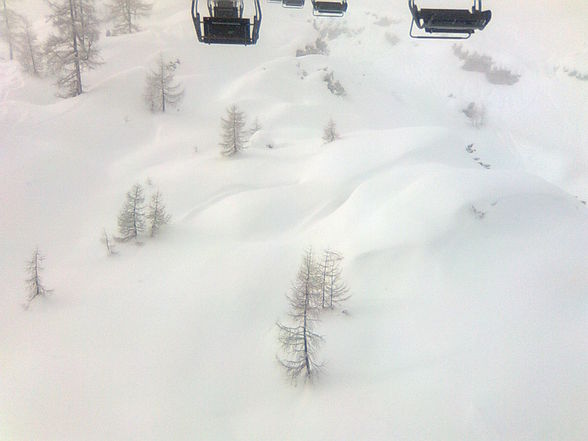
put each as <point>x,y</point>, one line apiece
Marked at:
<point>225,23</point>
<point>448,24</point>
<point>293,4</point>
<point>329,8</point>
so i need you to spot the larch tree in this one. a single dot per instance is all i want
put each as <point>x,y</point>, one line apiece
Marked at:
<point>161,89</point>
<point>73,48</point>
<point>156,214</point>
<point>8,27</point>
<point>28,49</point>
<point>233,132</point>
<point>34,283</point>
<point>126,13</point>
<point>333,289</point>
<point>330,133</point>
<point>131,220</point>
<point>299,341</point>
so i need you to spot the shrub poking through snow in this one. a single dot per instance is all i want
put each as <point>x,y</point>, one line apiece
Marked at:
<point>330,133</point>
<point>476,114</point>
<point>34,283</point>
<point>319,47</point>
<point>233,132</point>
<point>299,341</point>
<point>334,86</point>
<point>131,220</point>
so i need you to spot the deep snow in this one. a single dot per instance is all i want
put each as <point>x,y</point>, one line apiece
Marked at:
<point>467,268</point>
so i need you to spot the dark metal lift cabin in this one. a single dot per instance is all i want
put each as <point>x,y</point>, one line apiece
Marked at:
<point>295,4</point>
<point>448,24</point>
<point>225,23</point>
<point>329,8</point>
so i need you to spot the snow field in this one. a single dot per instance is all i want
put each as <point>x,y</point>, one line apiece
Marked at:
<point>468,311</point>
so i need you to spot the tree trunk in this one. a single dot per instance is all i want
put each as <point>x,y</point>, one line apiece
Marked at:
<point>128,5</point>
<point>31,50</point>
<point>79,90</point>
<point>162,86</point>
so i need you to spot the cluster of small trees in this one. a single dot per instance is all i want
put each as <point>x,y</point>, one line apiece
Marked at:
<point>235,136</point>
<point>71,49</point>
<point>318,286</point>
<point>135,218</point>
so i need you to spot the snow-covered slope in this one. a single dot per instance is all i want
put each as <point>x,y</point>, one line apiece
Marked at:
<point>465,248</point>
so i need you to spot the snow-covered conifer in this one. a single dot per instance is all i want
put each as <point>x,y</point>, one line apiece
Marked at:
<point>233,134</point>
<point>73,48</point>
<point>299,341</point>
<point>125,14</point>
<point>34,283</point>
<point>156,214</point>
<point>330,133</point>
<point>161,89</point>
<point>131,220</point>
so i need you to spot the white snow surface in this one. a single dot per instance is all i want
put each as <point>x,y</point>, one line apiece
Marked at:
<point>468,271</point>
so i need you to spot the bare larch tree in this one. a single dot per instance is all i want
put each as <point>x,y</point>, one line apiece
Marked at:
<point>125,14</point>
<point>333,289</point>
<point>233,133</point>
<point>131,220</point>
<point>156,214</point>
<point>330,133</point>
<point>34,283</point>
<point>73,48</point>
<point>28,49</point>
<point>8,27</point>
<point>161,90</point>
<point>299,341</point>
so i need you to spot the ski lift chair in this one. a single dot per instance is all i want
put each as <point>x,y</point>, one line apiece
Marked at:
<point>329,8</point>
<point>455,24</point>
<point>225,23</point>
<point>296,4</point>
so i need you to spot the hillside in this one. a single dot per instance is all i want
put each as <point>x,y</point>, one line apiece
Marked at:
<point>464,245</point>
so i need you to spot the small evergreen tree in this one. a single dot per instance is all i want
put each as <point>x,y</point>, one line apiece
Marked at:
<point>156,214</point>
<point>330,133</point>
<point>125,14</point>
<point>34,283</point>
<point>233,134</point>
<point>28,50</point>
<point>299,342</point>
<point>131,220</point>
<point>161,90</point>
